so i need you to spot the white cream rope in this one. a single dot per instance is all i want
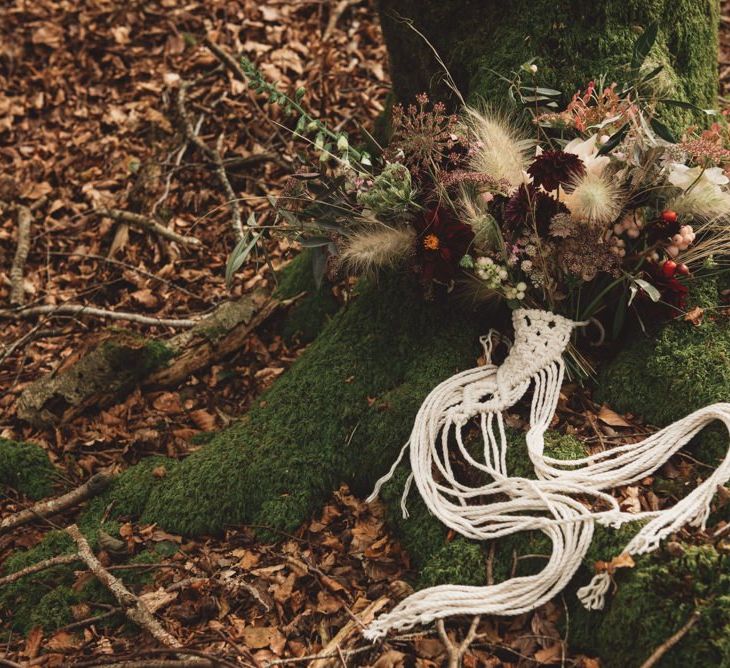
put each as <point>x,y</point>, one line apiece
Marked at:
<point>508,505</point>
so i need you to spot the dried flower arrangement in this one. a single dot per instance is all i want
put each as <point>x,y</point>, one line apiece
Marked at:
<point>591,210</point>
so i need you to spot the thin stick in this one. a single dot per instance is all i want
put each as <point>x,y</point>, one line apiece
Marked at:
<point>214,155</point>
<point>17,292</point>
<point>37,567</point>
<point>93,486</point>
<point>89,621</point>
<point>317,657</point>
<point>25,219</point>
<point>134,608</point>
<point>82,309</point>
<point>670,642</point>
<point>348,629</point>
<point>148,224</point>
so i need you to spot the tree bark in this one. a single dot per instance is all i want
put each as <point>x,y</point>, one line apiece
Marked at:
<point>573,42</point>
<point>123,361</point>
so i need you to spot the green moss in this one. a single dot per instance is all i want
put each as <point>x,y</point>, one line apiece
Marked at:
<point>127,495</point>
<point>54,609</point>
<point>311,312</point>
<point>574,42</point>
<point>26,468</point>
<point>652,602</point>
<point>457,562</point>
<point>21,602</point>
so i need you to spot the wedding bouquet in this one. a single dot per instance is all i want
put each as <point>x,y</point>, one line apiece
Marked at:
<point>592,209</point>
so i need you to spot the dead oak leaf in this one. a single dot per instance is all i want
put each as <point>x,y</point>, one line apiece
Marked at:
<point>611,418</point>
<point>623,560</point>
<point>695,315</point>
<point>261,637</point>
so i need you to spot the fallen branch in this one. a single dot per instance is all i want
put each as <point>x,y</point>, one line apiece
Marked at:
<point>93,486</point>
<point>214,155</point>
<point>40,566</point>
<point>83,309</point>
<point>670,642</point>
<point>133,607</point>
<point>122,362</point>
<point>455,653</point>
<point>148,224</point>
<point>25,218</point>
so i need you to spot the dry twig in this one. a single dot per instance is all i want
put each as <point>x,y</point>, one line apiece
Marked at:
<point>93,486</point>
<point>25,218</point>
<point>331,649</point>
<point>214,155</point>
<point>37,567</point>
<point>670,642</point>
<point>133,607</point>
<point>148,224</point>
<point>456,652</point>
<point>82,309</point>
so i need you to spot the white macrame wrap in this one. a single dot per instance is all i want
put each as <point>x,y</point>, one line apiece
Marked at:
<point>507,505</point>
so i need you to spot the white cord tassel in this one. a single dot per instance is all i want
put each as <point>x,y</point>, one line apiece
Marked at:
<point>508,505</point>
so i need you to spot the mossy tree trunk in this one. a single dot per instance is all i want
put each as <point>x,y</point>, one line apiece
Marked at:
<point>574,42</point>
<point>343,411</point>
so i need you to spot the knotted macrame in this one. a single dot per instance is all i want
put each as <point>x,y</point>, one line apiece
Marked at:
<point>507,505</point>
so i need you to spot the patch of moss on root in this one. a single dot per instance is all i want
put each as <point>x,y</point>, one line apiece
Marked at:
<point>339,414</point>
<point>683,368</point>
<point>47,594</point>
<point>26,468</point>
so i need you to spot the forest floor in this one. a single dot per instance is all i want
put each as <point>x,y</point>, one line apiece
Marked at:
<point>89,121</point>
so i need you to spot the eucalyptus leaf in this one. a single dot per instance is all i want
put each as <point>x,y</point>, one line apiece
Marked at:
<point>662,131</point>
<point>643,45</point>
<point>314,242</point>
<point>319,265</point>
<point>687,105</point>
<point>652,74</point>
<point>647,287</point>
<point>614,140</point>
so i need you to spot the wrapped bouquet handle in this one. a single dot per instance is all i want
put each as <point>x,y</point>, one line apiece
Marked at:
<point>506,504</point>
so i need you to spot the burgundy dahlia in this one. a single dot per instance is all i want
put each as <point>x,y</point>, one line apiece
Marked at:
<point>554,168</point>
<point>442,242</point>
<point>529,204</point>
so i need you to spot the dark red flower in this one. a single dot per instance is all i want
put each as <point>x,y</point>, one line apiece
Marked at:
<point>529,204</point>
<point>554,168</point>
<point>442,242</point>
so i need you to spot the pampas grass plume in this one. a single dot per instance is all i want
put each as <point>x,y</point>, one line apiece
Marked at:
<point>502,153</point>
<point>594,198</point>
<point>704,202</point>
<point>373,248</point>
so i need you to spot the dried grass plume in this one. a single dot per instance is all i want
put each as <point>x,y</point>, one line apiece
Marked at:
<point>595,198</point>
<point>373,248</point>
<point>501,152</point>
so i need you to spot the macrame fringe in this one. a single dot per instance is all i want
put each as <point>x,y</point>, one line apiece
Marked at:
<point>546,504</point>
